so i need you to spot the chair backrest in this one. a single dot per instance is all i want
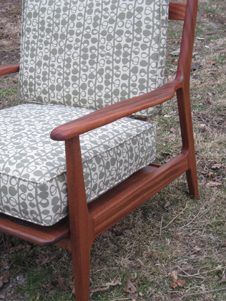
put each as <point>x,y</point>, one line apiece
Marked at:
<point>91,53</point>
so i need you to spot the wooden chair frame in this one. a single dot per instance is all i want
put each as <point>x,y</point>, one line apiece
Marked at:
<point>78,232</point>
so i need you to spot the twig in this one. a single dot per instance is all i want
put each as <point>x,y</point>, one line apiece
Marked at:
<point>121,299</point>
<point>175,217</point>
<point>200,275</point>
<point>218,268</point>
<point>191,276</point>
<point>187,275</point>
<point>106,287</point>
<point>204,293</point>
<point>192,220</point>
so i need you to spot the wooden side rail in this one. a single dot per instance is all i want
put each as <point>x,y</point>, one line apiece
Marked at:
<point>136,190</point>
<point>177,11</point>
<point>109,208</point>
<point>34,233</point>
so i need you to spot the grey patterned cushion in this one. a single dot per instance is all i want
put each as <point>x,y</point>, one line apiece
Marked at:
<point>32,166</point>
<point>92,53</point>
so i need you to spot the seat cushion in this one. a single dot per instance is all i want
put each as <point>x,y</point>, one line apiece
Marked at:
<point>92,53</point>
<point>32,166</point>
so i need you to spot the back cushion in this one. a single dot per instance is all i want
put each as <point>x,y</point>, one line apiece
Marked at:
<point>91,53</point>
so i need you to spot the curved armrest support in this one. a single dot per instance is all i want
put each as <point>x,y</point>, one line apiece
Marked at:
<point>113,112</point>
<point>4,70</point>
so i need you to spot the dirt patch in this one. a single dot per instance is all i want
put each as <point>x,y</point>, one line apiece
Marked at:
<point>10,12</point>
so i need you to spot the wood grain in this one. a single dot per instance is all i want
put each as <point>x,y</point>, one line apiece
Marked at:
<point>113,112</point>
<point>33,233</point>
<point>5,70</point>
<point>177,11</point>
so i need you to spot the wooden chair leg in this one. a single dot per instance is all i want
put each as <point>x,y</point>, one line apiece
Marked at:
<point>81,269</point>
<point>81,226</point>
<point>192,181</point>
<point>184,107</point>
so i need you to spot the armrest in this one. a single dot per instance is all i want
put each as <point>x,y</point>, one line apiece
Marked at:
<point>113,112</point>
<point>4,70</point>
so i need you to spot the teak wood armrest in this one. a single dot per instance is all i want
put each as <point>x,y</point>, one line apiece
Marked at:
<point>116,111</point>
<point>4,70</point>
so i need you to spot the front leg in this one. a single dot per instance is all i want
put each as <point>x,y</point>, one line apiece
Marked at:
<point>81,228</point>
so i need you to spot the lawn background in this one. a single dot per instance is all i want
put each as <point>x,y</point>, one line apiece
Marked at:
<point>170,237</point>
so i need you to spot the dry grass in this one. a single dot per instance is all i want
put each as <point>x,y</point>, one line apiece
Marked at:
<point>169,236</point>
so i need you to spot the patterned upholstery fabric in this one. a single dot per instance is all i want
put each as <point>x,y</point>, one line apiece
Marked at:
<point>32,166</point>
<point>92,53</point>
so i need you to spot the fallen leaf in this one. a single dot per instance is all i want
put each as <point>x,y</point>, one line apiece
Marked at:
<point>181,283</point>
<point>130,288</point>
<point>174,278</point>
<point>175,282</point>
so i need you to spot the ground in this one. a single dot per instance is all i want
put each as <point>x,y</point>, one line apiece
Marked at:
<point>173,248</point>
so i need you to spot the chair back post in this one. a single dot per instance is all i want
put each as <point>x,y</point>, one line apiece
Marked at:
<point>187,42</point>
<point>183,94</point>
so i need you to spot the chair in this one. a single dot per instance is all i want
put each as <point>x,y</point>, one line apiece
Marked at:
<point>91,211</point>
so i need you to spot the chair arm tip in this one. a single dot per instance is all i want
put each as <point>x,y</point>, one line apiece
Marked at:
<point>56,134</point>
